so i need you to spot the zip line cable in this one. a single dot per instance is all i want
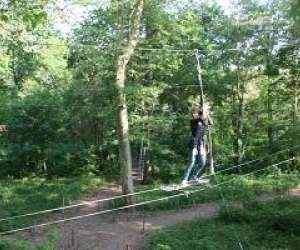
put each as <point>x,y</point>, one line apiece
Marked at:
<point>106,106</point>
<point>137,193</point>
<point>160,50</point>
<point>56,31</point>
<point>200,80</point>
<point>136,204</point>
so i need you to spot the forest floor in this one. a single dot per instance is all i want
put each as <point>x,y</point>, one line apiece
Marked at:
<point>123,230</point>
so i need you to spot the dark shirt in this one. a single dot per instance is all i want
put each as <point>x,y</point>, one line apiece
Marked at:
<point>198,128</point>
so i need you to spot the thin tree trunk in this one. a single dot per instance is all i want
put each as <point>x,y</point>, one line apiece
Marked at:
<point>269,66</point>
<point>270,119</point>
<point>295,119</point>
<point>211,159</point>
<point>123,125</point>
<point>15,77</point>
<point>270,130</point>
<point>240,125</point>
<point>234,118</point>
<point>238,104</point>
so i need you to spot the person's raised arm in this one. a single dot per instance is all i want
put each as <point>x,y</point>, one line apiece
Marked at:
<point>209,121</point>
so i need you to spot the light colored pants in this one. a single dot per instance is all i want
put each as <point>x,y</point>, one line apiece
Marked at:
<point>197,164</point>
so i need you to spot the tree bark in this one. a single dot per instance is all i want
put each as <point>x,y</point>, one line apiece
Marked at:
<point>270,129</point>
<point>295,120</point>
<point>123,126</point>
<point>240,124</point>
<point>270,119</point>
<point>269,71</point>
<point>238,103</point>
<point>211,159</point>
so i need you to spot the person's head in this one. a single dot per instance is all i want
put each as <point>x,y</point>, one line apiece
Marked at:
<point>200,112</point>
<point>195,113</point>
<point>204,111</point>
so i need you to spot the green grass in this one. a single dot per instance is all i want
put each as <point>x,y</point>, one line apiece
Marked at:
<point>28,195</point>
<point>34,194</point>
<point>272,225</point>
<point>238,189</point>
<point>48,244</point>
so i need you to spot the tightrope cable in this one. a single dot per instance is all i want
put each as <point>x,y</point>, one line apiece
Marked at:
<point>136,204</point>
<point>137,193</point>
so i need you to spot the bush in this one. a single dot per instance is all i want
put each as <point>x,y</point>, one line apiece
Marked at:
<point>44,139</point>
<point>271,225</point>
<point>14,244</point>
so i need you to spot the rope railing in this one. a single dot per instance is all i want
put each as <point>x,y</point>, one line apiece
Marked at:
<point>137,193</point>
<point>137,204</point>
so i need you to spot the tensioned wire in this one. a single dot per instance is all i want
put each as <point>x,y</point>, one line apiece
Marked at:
<point>139,204</point>
<point>141,192</point>
<point>172,50</point>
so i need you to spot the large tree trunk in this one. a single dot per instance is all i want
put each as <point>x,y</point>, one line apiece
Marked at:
<point>123,126</point>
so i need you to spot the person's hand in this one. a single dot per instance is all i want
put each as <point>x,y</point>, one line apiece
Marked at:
<point>202,150</point>
<point>195,151</point>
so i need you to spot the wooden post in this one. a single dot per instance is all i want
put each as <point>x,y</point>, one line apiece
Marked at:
<point>144,220</point>
<point>63,225</point>
<point>72,238</point>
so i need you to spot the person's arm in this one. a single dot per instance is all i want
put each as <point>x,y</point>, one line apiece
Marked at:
<point>192,128</point>
<point>209,121</point>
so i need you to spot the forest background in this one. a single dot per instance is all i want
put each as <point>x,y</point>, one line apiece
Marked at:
<point>58,104</point>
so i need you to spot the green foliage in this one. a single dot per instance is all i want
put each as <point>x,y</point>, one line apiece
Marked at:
<point>28,195</point>
<point>295,9</point>
<point>22,24</point>
<point>233,189</point>
<point>15,244</point>
<point>267,225</point>
<point>59,104</point>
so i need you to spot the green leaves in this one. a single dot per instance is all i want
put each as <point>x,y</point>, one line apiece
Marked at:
<point>36,65</point>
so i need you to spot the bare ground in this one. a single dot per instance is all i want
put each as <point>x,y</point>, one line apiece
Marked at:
<point>121,231</point>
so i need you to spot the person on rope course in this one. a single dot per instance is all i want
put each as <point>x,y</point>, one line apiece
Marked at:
<point>199,124</point>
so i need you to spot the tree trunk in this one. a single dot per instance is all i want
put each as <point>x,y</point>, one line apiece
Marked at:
<point>270,130</point>
<point>123,125</point>
<point>270,118</point>
<point>238,104</point>
<point>295,121</point>
<point>269,71</point>
<point>211,159</point>
<point>240,125</point>
<point>15,77</point>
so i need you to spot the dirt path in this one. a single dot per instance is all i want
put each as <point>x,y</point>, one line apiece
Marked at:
<point>116,231</point>
<point>120,231</point>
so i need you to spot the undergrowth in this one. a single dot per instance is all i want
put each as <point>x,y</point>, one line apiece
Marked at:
<point>271,225</point>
